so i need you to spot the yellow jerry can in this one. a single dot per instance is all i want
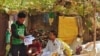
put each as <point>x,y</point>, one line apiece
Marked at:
<point>67,29</point>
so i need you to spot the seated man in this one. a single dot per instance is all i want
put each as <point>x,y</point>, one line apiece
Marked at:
<point>54,46</point>
<point>35,48</point>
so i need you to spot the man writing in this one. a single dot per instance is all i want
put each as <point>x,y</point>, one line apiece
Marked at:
<point>18,34</point>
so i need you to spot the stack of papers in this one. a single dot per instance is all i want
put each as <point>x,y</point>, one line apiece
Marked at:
<point>28,39</point>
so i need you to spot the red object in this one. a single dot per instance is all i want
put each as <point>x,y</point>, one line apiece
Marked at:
<point>78,50</point>
<point>36,47</point>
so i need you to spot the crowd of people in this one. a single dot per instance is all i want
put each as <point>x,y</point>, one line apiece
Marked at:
<point>54,46</point>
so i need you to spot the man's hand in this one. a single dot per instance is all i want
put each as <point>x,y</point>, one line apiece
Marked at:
<point>22,37</point>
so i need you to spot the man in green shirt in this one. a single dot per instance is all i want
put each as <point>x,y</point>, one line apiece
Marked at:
<point>18,34</point>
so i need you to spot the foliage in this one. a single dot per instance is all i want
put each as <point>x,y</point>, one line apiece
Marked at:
<point>26,4</point>
<point>80,7</point>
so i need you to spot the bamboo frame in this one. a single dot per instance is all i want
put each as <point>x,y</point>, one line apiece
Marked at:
<point>94,5</point>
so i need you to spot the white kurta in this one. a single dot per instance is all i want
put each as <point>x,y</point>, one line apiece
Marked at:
<point>53,47</point>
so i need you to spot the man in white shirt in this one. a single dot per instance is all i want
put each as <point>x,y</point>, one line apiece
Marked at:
<point>54,46</point>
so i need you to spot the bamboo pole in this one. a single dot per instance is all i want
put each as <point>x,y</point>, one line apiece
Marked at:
<point>94,5</point>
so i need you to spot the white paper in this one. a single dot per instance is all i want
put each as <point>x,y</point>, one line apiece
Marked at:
<point>28,40</point>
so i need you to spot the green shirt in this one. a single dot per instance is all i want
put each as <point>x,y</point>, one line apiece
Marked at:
<point>19,31</point>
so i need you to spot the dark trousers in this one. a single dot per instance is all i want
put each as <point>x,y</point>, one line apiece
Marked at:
<point>18,50</point>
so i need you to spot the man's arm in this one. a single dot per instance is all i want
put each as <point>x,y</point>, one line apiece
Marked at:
<point>25,32</point>
<point>14,31</point>
<point>47,47</point>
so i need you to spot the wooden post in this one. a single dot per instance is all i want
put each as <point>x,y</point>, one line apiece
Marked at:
<point>3,26</point>
<point>94,5</point>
